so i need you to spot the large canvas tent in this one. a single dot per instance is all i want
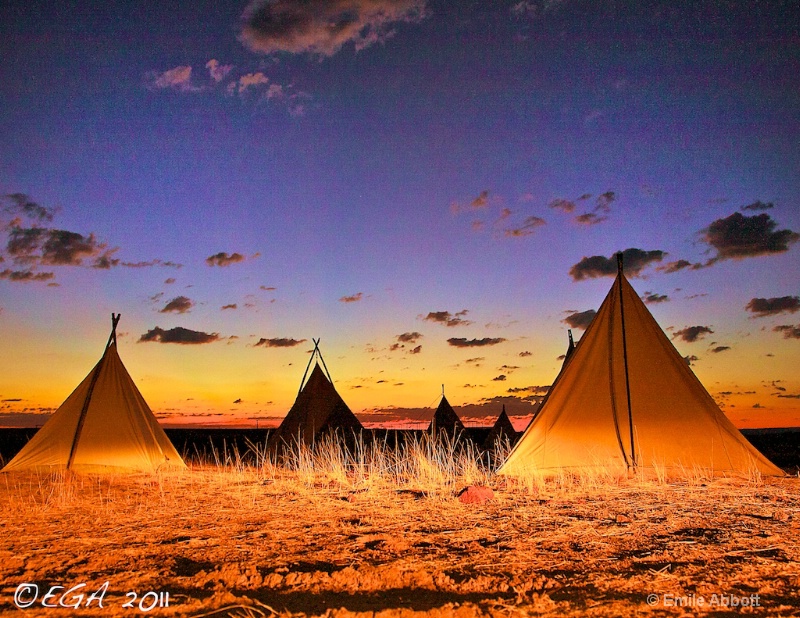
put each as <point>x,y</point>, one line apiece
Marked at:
<point>318,409</point>
<point>627,399</point>
<point>104,425</point>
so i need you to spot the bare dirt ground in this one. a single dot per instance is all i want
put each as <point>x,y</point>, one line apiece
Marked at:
<point>242,542</point>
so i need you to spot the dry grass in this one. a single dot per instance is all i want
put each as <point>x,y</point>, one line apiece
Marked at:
<point>379,531</point>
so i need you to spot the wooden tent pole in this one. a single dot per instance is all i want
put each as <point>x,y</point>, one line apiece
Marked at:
<point>95,375</point>
<point>324,366</point>
<point>313,353</point>
<point>621,276</point>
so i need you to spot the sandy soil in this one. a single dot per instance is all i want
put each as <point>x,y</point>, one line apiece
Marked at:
<point>242,543</point>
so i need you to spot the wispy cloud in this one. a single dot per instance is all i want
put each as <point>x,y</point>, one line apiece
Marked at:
<point>719,348</point>
<point>25,276</point>
<point>217,71</point>
<point>249,81</point>
<point>758,205</point>
<point>601,210</point>
<point>527,228</point>
<point>677,265</point>
<point>230,306</point>
<point>461,342</point>
<point>178,335</point>
<point>19,204</point>
<point>562,204</point>
<point>589,218</point>
<point>634,261</point>
<point>651,298</point>
<point>279,342</point>
<point>178,78</point>
<point>322,27</point>
<point>179,304</point>
<point>789,331</point>
<point>448,319</point>
<point>763,307</point>
<point>690,334</point>
<point>353,298</point>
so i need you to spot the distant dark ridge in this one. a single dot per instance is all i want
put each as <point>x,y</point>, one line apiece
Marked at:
<point>781,445</point>
<point>213,444</point>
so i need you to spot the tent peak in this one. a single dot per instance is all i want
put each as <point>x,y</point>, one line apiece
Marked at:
<point>315,353</point>
<point>112,338</point>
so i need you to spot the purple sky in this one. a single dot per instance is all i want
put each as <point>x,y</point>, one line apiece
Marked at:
<point>348,169</point>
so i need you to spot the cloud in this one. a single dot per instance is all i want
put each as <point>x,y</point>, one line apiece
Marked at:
<point>720,348</point>
<point>224,259</point>
<point>461,342</point>
<point>55,247</point>
<point>527,228</point>
<point>673,267</point>
<point>525,354</point>
<point>738,237</point>
<point>500,378</point>
<point>534,390</point>
<point>178,335</point>
<point>651,298</point>
<point>231,306</point>
<point>279,342</point>
<point>448,319</point>
<point>21,204</point>
<point>634,260</point>
<point>25,276</point>
<point>251,80</point>
<point>763,307</point>
<point>758,205</point>
<point>601,210</point>
<point>322,27</point>
<point>580,319</point>
<point>562,205</point>
<point>411,337</point>
<point>482,201</point>
<point>179,304</point>
<point>178,78</point>
<point>534,8</point>
<point>690,334</point>
<point>218,71</point>
<point>169,280</point>
<point>150,263</point>
<point>589,218</point>
<point>604,201</point>
<point>691,359</point>
<point>789,331</point>
<point>352,299</point>
<point>267,288</point>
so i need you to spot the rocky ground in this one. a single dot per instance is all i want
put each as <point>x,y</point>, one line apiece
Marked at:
<point>249,542</point>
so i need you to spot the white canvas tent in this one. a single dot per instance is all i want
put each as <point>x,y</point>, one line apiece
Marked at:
<point>627,399</point>
<point>104,425</point>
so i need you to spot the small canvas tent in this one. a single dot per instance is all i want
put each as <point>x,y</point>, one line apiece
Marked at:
<point>104,425</point>
<point>627,399</point>
<point>318,409</point>
<point>502,432</point>
<point>445,420</point>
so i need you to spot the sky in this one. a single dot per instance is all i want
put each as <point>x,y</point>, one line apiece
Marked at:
<point>435,190</point>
